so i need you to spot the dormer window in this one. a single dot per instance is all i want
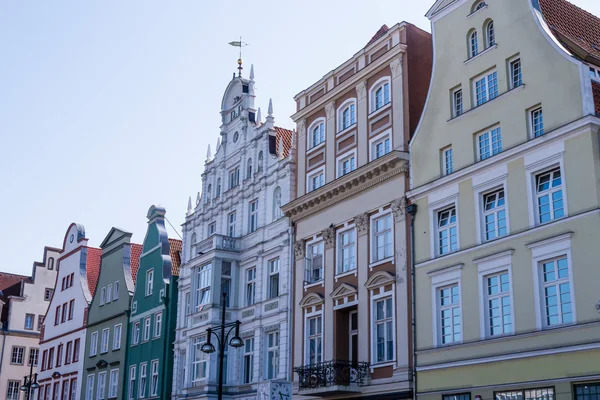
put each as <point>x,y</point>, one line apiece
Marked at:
<point>473,43</point>
<point>317,133</point>
<point>347,115</point>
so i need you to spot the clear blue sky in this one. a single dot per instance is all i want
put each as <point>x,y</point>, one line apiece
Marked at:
<point>107,106</point>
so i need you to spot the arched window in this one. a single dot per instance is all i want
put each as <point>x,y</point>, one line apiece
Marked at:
<point>380,94</point>
<point>473,43</point>
<point>277,203</point>
<point>478,6</point>
<point>208,190</point>
<point>316,133</point>
<point>490,34</point>
<point>192,255</point>
<point>249,169</point>
<point>51,263</point>
<point>260,161</point>
<point>218,192</point>
<point>347,115</point>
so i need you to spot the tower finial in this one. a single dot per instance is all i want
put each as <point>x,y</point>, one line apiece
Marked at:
<point>239,44</point>
<point>218,144</point>
<point>208,153</point>
<point>251,72</point>
<point>270,111</point>
<point>189,210</point>
<point>258,116</point>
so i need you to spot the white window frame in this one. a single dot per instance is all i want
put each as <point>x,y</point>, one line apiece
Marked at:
<point>149,282</point>
<point>252,216</point>
<point>212,228</point>
<point>490,36</point>
<point>234,177</point>
<point>439,201</point>
<point>94,344</point>
<point>531,119</point>
<point>439,280</point>
<point>89,388</point>
<point>200,363</point>
<point>117,343</point>
<point>102,296</point>
<point>250,292</point>
<point>15,352</point>
<point>116,291</point>
<point>458,107</point>
<point>473,43</point>
<point>340,160</point>
<point>202,285</point>
<point>546,250</point>
<point>339,264</point>
<point>143,375</point>
<point>157,325</point>
<point>373,237</point>
<point>109,293</point>
<point>488,94</point>
<point>374,299</point>
<point>381,138</point>
<point>248,370</point>
<point>484,183</point>
<point>105,341</point>
<point>309,177</point>
<point>309,270</point>
<point>147,329</point>
<point>511,70</point>
<point>101,387</point>
<point>274,266</point>
<point>113,383</point>
<point>490,142</point>
<point>13,388</point>
<point>340,115</point>
<point>154,371</point>
<point>596,70</point>
<point>137,331</point>
<point>132,382</point>
<point>309,134</point>
<point>231,222</point>
<point>272,349</point>
<point>380,83</point>
<point>447,162</point>
<point>307,317</point>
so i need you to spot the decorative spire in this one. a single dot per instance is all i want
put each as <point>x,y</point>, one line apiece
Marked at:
<point>258,117</point>
<point>251,72</point>
<point>208,153</point>
<point>218,144</point>
<point>270,111</point>
<point>189,210</point>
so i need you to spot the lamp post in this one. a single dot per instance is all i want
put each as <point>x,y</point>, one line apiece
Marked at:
<point>235,341</point>
<point>30,382</point>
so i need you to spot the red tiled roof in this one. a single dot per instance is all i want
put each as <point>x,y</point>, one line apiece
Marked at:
<point>7,280</point>
<point>92,267</point>
<point>136,252</point>
<point>285,136</point>
<point>382,31</point>
<point>596,91</point>
<point>578,26</point>
<point>175,252</point>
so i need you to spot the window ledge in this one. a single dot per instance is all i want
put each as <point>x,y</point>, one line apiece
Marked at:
<point>315,148</point>
<point>380,110</point>
<point>380,262</point>
<point>343,274</point>
<point>476,11</point>
<point>383,364</point>
<point>346,130</point>
<point>314,284</point>
<point>468,60</point>
<point>521,87</point>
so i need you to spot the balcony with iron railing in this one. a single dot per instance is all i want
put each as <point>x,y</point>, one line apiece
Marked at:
<point>218,242</point>
<point>330,377</point>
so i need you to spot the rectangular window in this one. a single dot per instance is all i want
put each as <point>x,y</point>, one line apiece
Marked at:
<point>212,227</point>
<point>250,286</point>
<point>587,391</point>
<point>272,354</point>
<point>117,336</point>
<point>73,389</point>
<point>549,196</point>
<point>314,338</point>
<point>498,308</point>
<point>226,281</point>
<point>203,275</point>
<point>316,180</point>
<point>64,313</point>
<point>317,135</point>
<point>48,294</point>
<point>116,291</point>
<point>383,238</point>
<point>69,352</point>
<point>556,291</point>
<point>528,394</point>
<point>104,342</point>
<point>462,396</point>
<point>113,383</point>
<point>231,224</point>
<point>89,387</point>
<point>18,355</point>
<point>57,315</point>
<point>71,309</point>
<point>51,358</point>
<point>486,88</point>
<point>346,165</point>
<point>199,360</point>
<point>131,388</point>
<point>44,360</point>
<point>101,390</point>
<point>449,314</point>
<point>142,388</point>
<point>494,215</point>
<point>76,350</point>
<point>516,76</point>
<point>154,379</point>
<point>381,147</point>
<point>59,354</point>
<point>234,178</point>
<point>314,263</point>
<point>149,282</point>
<point>34,355</point>
<point>29,318</point>
<point>157,324</point>
<point>348,117</point>
<point>489,143</point>
<point>447,232</point>
<point>457,102</point>
<point>382,96</point>
<point>273,289</point>
<point>109,293</point>
<point>384,330</point>
<point>56,391</point>
<point>537,122</point>
<point>248,360</point>
<point>347,251</point>
<point>147,326</point>
<point>102,296</point>
<point>65,390</point>
<point>12,391</point>
<point>252,216</point>
<point>447,164</point>
<point>136,333</point>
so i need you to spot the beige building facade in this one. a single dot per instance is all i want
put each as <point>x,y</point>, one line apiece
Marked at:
<point>351,287</point>
<point>504,171</point>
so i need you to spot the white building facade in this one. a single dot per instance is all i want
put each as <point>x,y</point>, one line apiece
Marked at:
<point>237,241</point>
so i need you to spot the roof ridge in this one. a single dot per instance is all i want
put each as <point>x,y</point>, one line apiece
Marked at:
<point>380,32</point>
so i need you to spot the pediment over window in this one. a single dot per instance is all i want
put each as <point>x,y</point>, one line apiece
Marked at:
<point>380,278</point>
<point>343,290</point>
<point>311,299</point>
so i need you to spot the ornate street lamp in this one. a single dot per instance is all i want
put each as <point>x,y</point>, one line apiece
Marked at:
<point>30,383</point>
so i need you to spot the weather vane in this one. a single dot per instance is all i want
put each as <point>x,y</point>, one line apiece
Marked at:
<point>239,44</point>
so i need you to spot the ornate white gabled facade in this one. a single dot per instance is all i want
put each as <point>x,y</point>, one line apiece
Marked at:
<point>236,240</point>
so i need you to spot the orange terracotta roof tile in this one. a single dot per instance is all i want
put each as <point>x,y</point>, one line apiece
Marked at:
<point>285,137</point>
<point>92,267</point>
<point>7,280</point>
<point>175,252</point>
<point>382,31</point>
<point>579,27</point>
<point>596,91</point>
<point>136,252</point>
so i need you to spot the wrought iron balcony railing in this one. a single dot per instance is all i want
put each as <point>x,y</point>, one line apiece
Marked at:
<point>332,373</point>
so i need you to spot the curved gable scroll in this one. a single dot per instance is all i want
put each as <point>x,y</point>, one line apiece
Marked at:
<point>311,300</point>
<point>379,279</point>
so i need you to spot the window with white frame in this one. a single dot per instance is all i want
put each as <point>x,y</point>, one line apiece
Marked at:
<point>248,366</point>
<point>101,388</point>
<point>490,34</point>
<point>231,224</point>
<point>346,115</point>
<point>489,144</point>
<point>556,291</point>
<point>272,355</point>
<point>277,213</point>
<point>154,379</point>
<point>226,282</point>
<point>447,163</point>
<point>109,293</point>
<point>382,235</point>
<point>234,177</point>
<point>380,94</point>
<point>381,145</point>
<point>102,296</point>
<point>529,394</point>
<point>449,314</point>
<point>314,263</point>
<point>457,102</point>
<point>447,231</point>
<point>117,337</point>
<point>29,318</point>
<point>314,339</point>
<point>104,342</point>
<point>149,282</point>
<point>516,73</point>
<point>494,214</point>
<point>252,216</point>
<point>12,391</point>
<point>383,329</point>
<point>94,344</point>
<point>250,286</point>
<point>273,289</point>
<point>485,88</point>
<point>203,276</point>
<point>89,387</point>
<point>147,328</point>
<point>157,324</point>
<point>136,333</point>
<point>199,360</point>
<point>498,310</point>
<point>549,195</point>
<point>143,376</point>
<point>317,134</point>
<point>131,388</point>
<point>18,355</point>
<point>113,383</point>
<point>473,43</point>
<point>33,356</point>
<point>346,164</point>
<point>594,73</point>
<point>315,180</point>
<point>536,119</point>
<point>116,291</point>
<point>212,228</point>
<point>346,251</point>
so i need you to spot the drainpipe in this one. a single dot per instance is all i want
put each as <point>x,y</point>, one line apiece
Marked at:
<point>292,268</point>
<point>412,211</point>
<point>3,343</point>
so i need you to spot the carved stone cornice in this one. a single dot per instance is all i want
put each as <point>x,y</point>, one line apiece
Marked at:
<point>361,90</point>
<point>386,167</point>
<point>399,208</point>
<point>300,126</point>
<point>329,237</point>
<point>300,248</point>
<point>396,67</point>
<point>330,109</point>
<point>361,222</point>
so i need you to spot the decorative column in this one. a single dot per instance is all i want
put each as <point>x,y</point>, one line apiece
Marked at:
<point>330,142</point>
<point>362,232</point>
<point>328,339</point>
<point>398,105</point>
<point>298,312</point>
<point>301,160</point>
<point>362,134</point>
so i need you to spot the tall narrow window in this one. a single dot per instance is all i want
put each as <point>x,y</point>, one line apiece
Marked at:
<point>113,383</point>
<point>556,292</point>
<point>76,345</point>
<point>314,267</point>
<point>203,276</point>
<point>449,318</point>
<point>109,293</point>
<point>381,96</point>
<point>259,166</point>
<point>314,338</point>
<point>317,135</point>
<point>157,324</point>
<point>51,263</point>
<point>448,165</point>
<point>253,216</point>
<point>348,117</point>
<point>516,75</point>
<point>154,379</point>
<point>147,328</point>
<point>104,342</point>
<point>473,44</point>
<point>231,224</point>
<point>65,390</point>
<point>537,122</point>
<point>277,203</point>
<point>383,238</point>
<point>234,178</point>
<point>218,190</point>
<point>18,355</point>
<point>33,356</point>
<point>12,391</point>
<point>272,355</point>
<point>250,286</point>
<point>29,318</point>
<point>498,308</point>
<point>384,329</point>
<point>226,282</point>
<point>89,387</point>
<point>143,375</point>
<point>116,291</point>
<point>149,282</point>
<point>199,360</point>
<point>136,333</point>
<point>494,215</point>
<point>208,194</point>
<point>249,169</point>
<point>457,102</point>
<point>94,344</point>
<point>101,390</point>
<point>549,196</point>
<point>447,232</point>
<point>59,354</point>
<point>347,251</point>
<point>248,360</point>
<point>131,388</point>
<point>489,143</point>
<point>490,34</point>
<point>273,289</point>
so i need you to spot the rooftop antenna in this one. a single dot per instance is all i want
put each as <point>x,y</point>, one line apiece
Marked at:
<point>239,44</point>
